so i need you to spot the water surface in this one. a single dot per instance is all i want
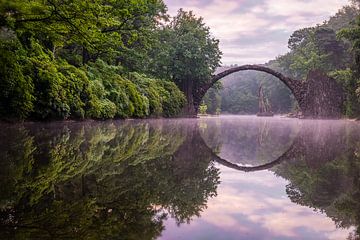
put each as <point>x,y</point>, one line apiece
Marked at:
<point>229,177</point>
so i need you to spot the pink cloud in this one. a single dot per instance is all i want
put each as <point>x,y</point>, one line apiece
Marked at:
<point>230,20</point>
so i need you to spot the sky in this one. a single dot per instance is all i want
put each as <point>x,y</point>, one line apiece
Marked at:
<point>256,31</point>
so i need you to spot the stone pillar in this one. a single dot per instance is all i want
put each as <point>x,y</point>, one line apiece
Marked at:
<point>323,97</point>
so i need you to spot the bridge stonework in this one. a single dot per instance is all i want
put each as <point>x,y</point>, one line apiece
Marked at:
<point>319,96</point>
<point>323,98</point>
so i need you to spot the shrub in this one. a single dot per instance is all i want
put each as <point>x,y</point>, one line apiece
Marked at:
<point>202,109</point>
<point>127,100</point>
<point>352,102</point>
<point>149,88</point>
<point>34,83</point>
<point>140,97</point>
<point>77,89</point>
<point>165,98</point>
<point>16,89</point>
<point>62,91</point>
<point>173,100</point>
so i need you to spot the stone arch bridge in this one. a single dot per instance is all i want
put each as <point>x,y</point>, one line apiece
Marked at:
<point>319,96</point>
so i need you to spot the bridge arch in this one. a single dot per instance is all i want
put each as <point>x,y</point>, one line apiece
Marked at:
<point>284,157</point>
<point>287,155</point>
<point>297,87</point>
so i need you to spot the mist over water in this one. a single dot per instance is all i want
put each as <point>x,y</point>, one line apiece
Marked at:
<point>228,177</point>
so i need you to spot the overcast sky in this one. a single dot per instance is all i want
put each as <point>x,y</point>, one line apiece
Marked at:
<point>256,31</point>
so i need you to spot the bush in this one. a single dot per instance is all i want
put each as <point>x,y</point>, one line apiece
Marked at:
<point>62,91</point>
<point>16,89</point>
<point>149,88</point>
<point>35,84</point>
<point>173,100</point>
<point>352,101</point>
<point>202,108</point>
<point>140,97</point>
<point>101,109</point>
<point>123,93</point>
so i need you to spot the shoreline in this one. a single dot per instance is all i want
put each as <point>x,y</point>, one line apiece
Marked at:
<point>15,122</point>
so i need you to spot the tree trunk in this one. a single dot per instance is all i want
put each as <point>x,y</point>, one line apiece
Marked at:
<point>187,88</point>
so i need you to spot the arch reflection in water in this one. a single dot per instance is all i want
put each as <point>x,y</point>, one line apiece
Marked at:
<point>261,145</point>
<point>319,159</point>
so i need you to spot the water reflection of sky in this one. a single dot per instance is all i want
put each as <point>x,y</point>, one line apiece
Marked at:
<point>255,206</point>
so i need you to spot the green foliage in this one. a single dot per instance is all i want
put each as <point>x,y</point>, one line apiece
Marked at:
<point>139,97</point>
<point>101,109</point>
<point>202,109</point>
<point>212,98</point>
<point>98,26</point>
<point>173,99</point>
<point>344,17</point>
<point>110,86</point>
<point>314,48</point>
<point>186,53</point>
<point>58,90</point>
<point>16,89</point>
<point>311,176</point>
<point>164,96</point>
<point>240,94</point>
<point>195,54</point>
<point>326,47</point>
<point>240,103</point>
<point>348,81</point>
<point>151,91</point>
<point>61,90</point>
<point>52,50</point>
<point>353,35</point>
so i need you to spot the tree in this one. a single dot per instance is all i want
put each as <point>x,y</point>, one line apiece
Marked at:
<point>212,99</point>
<point>355,3</point>
<point>315,48</point>
<point>326,47</point>
<point>90,28</point>
<point>68,59</point>
<point>353,35</point>
<point>188,55</point>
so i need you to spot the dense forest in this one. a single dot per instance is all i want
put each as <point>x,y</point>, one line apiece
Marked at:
<point>333,47</point>
<point>63,59</point>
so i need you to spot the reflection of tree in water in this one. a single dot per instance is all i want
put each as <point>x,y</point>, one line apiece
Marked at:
<point>324,173</point>
<point>101,180</point>
<point>264,130</point>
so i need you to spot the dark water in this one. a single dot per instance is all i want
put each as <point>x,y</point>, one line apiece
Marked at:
<point>211,178</point>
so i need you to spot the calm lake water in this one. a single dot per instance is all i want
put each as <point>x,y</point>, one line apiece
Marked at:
<point>229,177</point>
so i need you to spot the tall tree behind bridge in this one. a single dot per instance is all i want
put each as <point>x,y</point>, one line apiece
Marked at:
<point>187,54</point>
